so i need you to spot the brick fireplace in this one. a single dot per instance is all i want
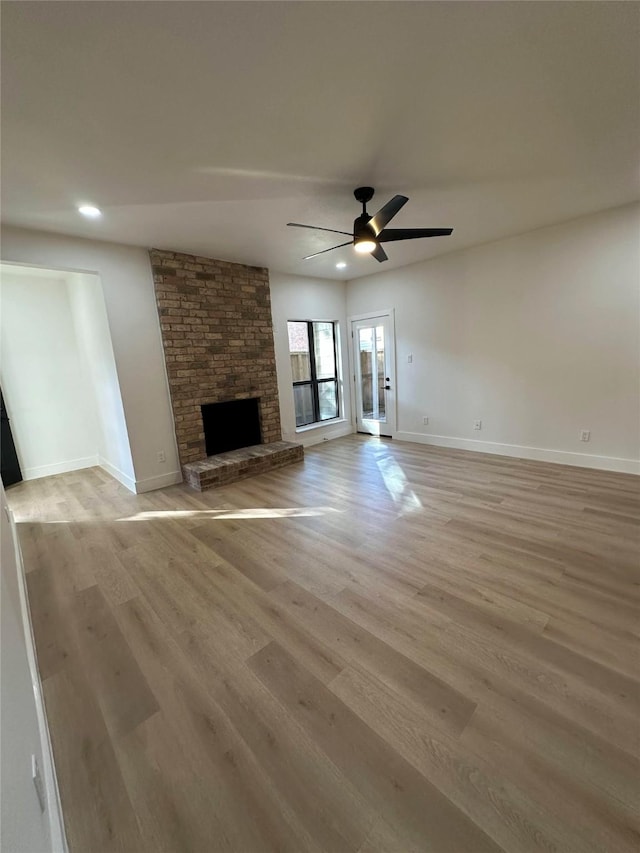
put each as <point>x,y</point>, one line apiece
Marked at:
<point>215,319</point>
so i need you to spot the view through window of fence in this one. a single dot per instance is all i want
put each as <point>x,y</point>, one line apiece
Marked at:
<point>314,367</point>
<point>371,346</point>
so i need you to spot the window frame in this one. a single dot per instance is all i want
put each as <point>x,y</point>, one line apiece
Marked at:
<point>313,381</point>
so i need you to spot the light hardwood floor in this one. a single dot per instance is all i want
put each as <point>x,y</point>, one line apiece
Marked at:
<point>389,647</point>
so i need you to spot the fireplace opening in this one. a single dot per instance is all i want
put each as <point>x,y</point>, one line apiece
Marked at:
<point>231,425</point>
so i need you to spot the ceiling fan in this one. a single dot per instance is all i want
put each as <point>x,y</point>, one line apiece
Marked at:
<point>369,232</point>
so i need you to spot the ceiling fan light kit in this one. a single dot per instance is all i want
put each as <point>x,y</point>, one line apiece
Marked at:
<point>369,232</point>
<point>363,245</point>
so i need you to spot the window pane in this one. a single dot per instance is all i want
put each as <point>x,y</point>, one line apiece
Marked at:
<point>324,350</point>
<point>328,400</point>
<point>299,350</point>
<point>303,399</point>
<point>381,379</point>
<point>366,348</point>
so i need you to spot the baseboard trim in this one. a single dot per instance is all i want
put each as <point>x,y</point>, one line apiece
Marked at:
<point>561,457</point>
<point>160,482</point>
<point>59,467</point>
<point>117,474</point>
<point>57,834</point>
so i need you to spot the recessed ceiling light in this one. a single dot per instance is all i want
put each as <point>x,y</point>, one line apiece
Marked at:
<point>89,211</point>
<point>341,265</point>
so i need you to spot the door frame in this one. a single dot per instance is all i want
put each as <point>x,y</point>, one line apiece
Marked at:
<point>371,315</point>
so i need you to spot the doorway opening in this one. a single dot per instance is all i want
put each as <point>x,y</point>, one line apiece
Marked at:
<point>59,378</point>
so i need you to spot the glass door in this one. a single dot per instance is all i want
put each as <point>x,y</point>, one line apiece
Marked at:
<point>374,374</point>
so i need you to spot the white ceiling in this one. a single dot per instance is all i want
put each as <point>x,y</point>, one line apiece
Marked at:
<point>205,127</point>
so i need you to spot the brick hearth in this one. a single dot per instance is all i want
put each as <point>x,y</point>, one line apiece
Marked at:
<point>245,462</point>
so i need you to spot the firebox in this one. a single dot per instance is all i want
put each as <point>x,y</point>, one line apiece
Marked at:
<point>230,425</point>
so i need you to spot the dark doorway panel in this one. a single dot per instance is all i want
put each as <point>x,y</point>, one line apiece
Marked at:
<point>9,465</point>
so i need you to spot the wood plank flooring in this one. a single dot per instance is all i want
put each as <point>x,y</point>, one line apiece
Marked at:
<point>389,647</point>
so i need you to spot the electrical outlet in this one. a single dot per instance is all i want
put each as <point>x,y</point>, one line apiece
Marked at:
<point>161,456</point>
<point>477,424</point>
<point>585,435</point>
<point>410,358</point>
<point>425,421</point>
<point>38,783</point>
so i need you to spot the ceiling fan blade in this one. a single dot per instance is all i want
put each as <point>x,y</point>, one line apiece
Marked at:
<point>387,212</point>
<point>379,254</point>
<point>315,254</point>
<point>317,228</point>
<point>390,234</point>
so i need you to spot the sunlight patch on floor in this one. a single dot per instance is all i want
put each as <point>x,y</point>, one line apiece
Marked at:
<point>222,514</point>
<point>398,486</point>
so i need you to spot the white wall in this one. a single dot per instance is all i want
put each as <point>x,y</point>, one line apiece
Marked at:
<point>96,353</point>
<point>296,298</point>
<point>49,398</point>
<point>537,336</point>
<point>127,283</point>
<point>24,828</point>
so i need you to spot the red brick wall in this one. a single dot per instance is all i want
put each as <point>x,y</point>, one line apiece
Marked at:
<point>217,334</point>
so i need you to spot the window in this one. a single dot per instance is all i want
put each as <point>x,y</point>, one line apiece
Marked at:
<point>314,366</point>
